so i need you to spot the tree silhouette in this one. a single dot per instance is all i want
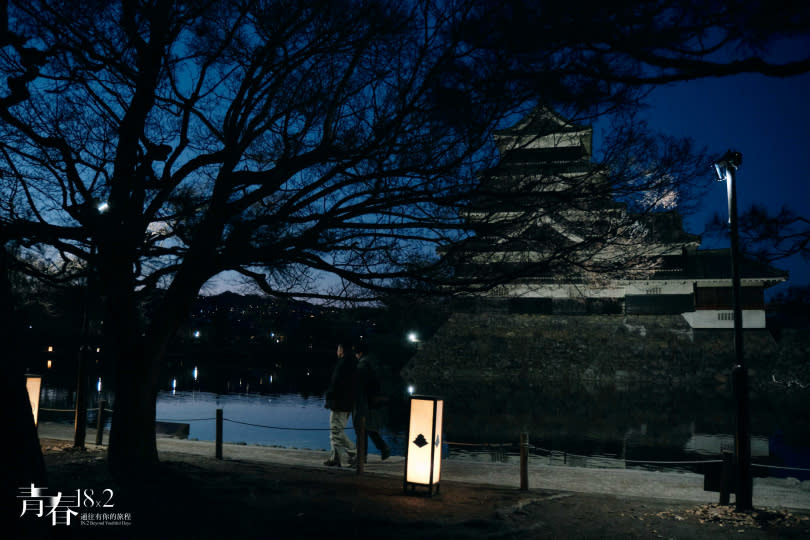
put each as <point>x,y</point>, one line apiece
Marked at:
<point>161,143</point>
<point>765,236</point>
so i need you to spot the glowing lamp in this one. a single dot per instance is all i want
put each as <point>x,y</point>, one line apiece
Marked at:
<point>423,455</point>
<point>33,383</point>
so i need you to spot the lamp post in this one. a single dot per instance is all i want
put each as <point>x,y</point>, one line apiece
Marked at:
<point>80,418</point>
<point>726,168</point>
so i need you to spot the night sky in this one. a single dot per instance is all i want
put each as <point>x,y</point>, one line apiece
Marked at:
<point>767,120</point>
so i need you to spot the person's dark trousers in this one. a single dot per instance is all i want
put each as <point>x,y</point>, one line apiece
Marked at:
<point>378,441</point>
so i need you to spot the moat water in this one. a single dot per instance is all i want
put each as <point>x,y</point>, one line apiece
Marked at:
<point>640,427</point>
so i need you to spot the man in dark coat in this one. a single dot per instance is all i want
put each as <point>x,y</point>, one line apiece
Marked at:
<point>339,401</point>
<point>369,400</point>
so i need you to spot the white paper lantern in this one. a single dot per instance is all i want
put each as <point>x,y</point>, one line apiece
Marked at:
<point>423,456</point>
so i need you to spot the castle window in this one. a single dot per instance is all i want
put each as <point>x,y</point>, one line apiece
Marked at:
<point>721,298</point>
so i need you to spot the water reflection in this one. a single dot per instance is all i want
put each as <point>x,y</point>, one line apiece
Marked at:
<point>642,423</point>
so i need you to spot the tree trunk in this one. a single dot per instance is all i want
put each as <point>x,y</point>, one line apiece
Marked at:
<point>133,449</point>
<point>25,466</point>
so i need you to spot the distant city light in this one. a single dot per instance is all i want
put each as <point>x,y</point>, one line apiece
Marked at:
<point>195,373</point>
<point>103,207</point>
<point>410,390</point>
<point>196,333</point>
<point>174,384</point>
<point>98,385</point>
<point>50,349</point>
<point>50,364</point>
<point>412,337</point>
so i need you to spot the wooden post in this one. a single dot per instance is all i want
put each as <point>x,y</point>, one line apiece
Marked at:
<point>219,434</point>
<point>100,422</point>
<point>360,431</point>
<point>524,461</point>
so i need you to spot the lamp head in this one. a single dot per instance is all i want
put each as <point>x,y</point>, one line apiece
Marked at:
<point>730,159</point>
<point>721,173</point>
<point>733,158</point>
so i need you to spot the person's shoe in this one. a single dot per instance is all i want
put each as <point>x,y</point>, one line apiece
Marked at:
<point>332,463</point>
<point>385,453</point>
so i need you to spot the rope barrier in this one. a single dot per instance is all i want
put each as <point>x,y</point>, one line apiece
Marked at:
<point>780,467</point>
<point>483,446</point>
<point>491,445</point>
<point>672,462</point>
<point>277,427</point>
<point>183,419</point>
<point>106,410</point>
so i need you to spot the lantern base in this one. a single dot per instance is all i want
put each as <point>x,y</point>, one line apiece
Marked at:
<point>413,487</point>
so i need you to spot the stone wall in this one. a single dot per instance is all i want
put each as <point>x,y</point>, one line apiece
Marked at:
<point>598,349</point>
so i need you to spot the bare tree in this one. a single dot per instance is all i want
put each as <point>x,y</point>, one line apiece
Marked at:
<point>160,143</point>
<point>768,237</point>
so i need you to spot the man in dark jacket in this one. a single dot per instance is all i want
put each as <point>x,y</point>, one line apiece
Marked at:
<point>339,401</point>
<point>369,400</point>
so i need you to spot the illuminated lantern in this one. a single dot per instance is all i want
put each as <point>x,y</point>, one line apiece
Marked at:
<point>423,456</point>
<point>33,383</point>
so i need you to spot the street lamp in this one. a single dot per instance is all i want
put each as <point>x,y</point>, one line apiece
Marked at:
<point>726,168</point>
<point>80,417</point>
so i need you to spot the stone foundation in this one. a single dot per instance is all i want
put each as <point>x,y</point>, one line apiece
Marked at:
<point>506,348</point>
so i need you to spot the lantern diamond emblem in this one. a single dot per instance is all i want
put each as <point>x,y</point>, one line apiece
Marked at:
<point>420,441</point>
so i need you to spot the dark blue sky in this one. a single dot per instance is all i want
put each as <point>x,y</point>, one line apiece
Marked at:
<point>767,120</point>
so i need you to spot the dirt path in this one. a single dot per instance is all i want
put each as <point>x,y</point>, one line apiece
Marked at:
<point>200,497</point>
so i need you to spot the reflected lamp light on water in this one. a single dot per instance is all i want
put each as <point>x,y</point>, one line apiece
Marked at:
<point>423,455</point>
<point>33,383</point>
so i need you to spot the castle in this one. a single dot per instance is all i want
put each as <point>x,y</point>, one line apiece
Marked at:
<point>584,288</point>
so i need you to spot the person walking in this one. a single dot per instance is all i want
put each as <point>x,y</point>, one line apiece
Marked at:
<point>339,401</point>
<point>369,400</point>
